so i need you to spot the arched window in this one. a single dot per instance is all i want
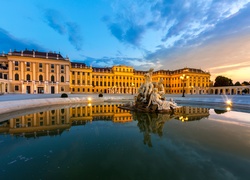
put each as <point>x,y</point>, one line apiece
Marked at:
<point>52,78</point>
<point>16,77</point>
<point>62,78</point>
<point>28,77</point>
<point>40,77</point>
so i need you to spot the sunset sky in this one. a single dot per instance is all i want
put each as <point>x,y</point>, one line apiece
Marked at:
<point>213,35</point>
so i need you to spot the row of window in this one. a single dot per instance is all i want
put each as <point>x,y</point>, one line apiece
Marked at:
<point>52,66</point>
<point>120,84</point>
<point>28,78</point>
<point>140,79</point>
<point>17,88</point>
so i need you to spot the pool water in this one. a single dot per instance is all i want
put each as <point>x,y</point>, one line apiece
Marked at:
<point>105,142</point>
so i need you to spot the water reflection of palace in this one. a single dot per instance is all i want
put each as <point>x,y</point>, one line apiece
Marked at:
<point>187,113</point>
<point>54,122</point>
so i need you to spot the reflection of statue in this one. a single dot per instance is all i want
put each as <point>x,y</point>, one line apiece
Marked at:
<point>151,123</point>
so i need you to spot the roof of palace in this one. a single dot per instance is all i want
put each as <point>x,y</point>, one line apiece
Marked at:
<point>38,54</point>
<point>78,64</point>
<point>105,69</point>
<point>188,70</point>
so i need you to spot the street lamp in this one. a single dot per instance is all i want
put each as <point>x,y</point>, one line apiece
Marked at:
<point>183,78</point>
<point>132,88</point>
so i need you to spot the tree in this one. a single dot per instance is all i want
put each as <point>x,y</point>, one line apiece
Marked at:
<point>237,83</point>
<point>245,83</point>
<point>223,81</point>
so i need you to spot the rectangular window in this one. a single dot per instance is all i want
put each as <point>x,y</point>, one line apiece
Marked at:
<point>52,66</point>
<point>62,66</point>
<point>27,64</point>
<point>16,63</point>
<point>16,88</point>
<point>40,65</point>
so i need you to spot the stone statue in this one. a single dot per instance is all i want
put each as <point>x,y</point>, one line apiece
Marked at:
<point>147,87</point>
<point>155,99</point>
<point>160,87</point>
<point>150,96</point>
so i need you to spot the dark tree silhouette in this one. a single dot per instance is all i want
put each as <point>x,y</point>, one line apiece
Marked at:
<point>245,83</point>
<point>223,81</point>
<point>237,83</point>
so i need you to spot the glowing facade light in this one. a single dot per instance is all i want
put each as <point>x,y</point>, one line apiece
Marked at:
<point>89,99</point>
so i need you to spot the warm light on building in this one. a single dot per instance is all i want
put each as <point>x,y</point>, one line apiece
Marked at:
<point>48,72</point>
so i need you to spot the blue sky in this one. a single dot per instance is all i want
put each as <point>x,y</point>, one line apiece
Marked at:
<point>213,35</point>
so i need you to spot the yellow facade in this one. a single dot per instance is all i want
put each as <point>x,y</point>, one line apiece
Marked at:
<point>37,72</point>
<point>126,80</point>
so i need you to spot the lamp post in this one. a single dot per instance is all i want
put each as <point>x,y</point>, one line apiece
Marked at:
<point>132,88</point>
<point>183,78</point>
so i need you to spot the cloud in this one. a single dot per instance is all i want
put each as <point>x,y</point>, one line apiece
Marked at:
<point>127,24</point>
<point>196,24</point>
<point>132,34</point>
<point>11,42</point>
<point>182,23</point>
<point>136,63</point>
<point>55,20</point>
<point>74,35</point>
<point>71,29</point>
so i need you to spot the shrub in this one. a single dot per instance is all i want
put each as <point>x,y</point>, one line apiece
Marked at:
<point>100,95</point>
<point>64,95</point>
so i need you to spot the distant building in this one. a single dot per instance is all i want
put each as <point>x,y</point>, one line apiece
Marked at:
<point>40,72</point>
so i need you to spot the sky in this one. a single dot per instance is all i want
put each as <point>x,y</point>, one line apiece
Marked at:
<point>212,35</point>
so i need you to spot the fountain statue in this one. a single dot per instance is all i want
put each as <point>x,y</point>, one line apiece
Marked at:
<point>150,97</point>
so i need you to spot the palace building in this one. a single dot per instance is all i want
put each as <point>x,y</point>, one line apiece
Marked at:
<point>34,72</point>
<point>48,72</point>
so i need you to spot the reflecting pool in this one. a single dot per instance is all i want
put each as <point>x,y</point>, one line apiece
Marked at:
<point>106,142</point>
